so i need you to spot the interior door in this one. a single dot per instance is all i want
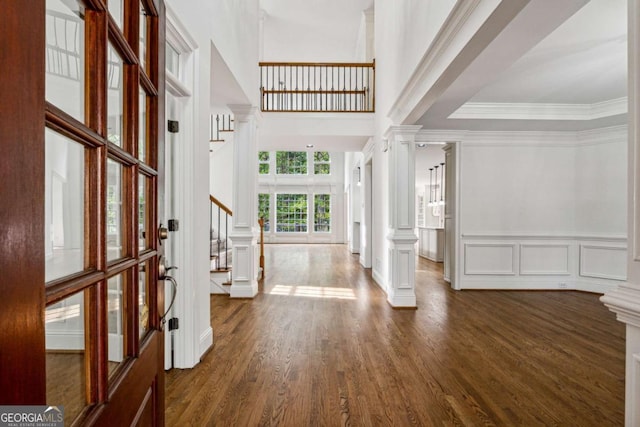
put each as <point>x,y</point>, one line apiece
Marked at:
<point>82,127</point>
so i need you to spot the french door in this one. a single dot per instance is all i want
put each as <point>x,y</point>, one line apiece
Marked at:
<point>82,131</point>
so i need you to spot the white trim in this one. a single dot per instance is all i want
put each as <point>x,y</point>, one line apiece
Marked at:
<point>535,111</point>
<point>379,279</point>
<point>526,138</point>
<point>549,236</point>
<point>542,285</point>
<point>583,272</point>
<point>566,271</point>
<point>206,341</point>
<point>514,253</point>
<point>177,34</point>
<point>175,86</point>
<point>453,27</point>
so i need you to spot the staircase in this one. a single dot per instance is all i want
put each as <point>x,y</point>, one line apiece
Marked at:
<point>219,247</point>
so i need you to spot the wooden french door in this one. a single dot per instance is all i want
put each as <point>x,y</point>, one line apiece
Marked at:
<point>81,132</point>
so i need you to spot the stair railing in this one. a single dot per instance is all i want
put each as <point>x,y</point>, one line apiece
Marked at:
<point>317,87</point>
<point>218,124</point>
<point>219,215</point>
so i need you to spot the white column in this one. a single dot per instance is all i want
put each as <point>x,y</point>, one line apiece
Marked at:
<point>244,231</point>
<point>625,301</point>
<point>402,238</point>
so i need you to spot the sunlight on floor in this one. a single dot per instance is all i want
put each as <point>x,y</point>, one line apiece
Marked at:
<point>313,292</point>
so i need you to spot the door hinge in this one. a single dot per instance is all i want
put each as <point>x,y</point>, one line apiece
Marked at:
<point>173,126</point>
<point>173,324</point>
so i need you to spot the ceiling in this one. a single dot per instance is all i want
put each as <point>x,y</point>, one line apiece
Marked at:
<point>312,30</point>
<point>576,69</point>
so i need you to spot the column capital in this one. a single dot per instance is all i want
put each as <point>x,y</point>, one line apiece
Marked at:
<point>402,132</point>
<point>244,112</point>
<point>625,302</point>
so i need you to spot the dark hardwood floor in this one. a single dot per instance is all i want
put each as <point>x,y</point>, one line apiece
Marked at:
<point>320,346</point>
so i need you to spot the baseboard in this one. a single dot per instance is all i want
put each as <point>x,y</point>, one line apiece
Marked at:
<point>599,287</point>
<point>248,290</point>
<point>206,341</point>
<point>65,340</point>
<point>377,278</point>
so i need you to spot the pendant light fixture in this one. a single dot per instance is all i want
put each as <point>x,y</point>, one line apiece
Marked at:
<point>430,187</point>
<point>442,184</point>
<point>435,199</point>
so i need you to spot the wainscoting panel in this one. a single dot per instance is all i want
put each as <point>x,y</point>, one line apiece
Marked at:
<point>603,261</point>
<point>544,259</point>
<point>489,259</point>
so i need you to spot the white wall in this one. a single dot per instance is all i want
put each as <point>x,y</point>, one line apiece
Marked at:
<point>543,211</point>
<point>221,171</point>
<point>232,26</point>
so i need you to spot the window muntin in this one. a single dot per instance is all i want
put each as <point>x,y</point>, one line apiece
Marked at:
<point>291,213</point>
<point>264,209</point>
<point>263,162</point>
<point>65,59</point>
<point>291,162</point>
<point>322,213</point>
<point>321,163</point>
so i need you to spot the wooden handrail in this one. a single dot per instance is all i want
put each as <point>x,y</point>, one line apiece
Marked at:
<point>335,87</point>
<point>220,205</point>
<point>318,64</point>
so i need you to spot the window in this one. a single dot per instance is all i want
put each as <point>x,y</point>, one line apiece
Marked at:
<point>291,213</point>
<point>321,163</point>
<point>263,209</point>
<point>291,162</point>
<point>263,162</point>
<point>173,60</point>
<point>322,213</point>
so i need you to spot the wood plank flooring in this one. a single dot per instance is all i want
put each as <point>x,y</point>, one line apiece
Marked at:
<point>320,346</point>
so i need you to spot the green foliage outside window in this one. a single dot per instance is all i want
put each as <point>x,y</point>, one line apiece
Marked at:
<point>291,213</point>
<point>263,209</point>
<point>322,213</point>
<point>263,162</point>
<point>321,163</point>
<point>291,162</point>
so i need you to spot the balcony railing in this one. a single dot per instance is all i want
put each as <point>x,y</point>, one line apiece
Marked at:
<point>317,87</point>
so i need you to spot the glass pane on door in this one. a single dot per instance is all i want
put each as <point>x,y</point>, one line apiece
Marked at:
<point>115,320</point>
<point>65,56</point>
<point>114,210</point>
<point>143,298</point>
<point>142,125</point>
<point>65,355</point>
<point>115,103</point>
<point>116,10</point>
<point>143,231</point>
<point>64,206</point>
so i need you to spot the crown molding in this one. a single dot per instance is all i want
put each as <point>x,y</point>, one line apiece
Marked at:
<point>453,27</point>
<point>536,111</point>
